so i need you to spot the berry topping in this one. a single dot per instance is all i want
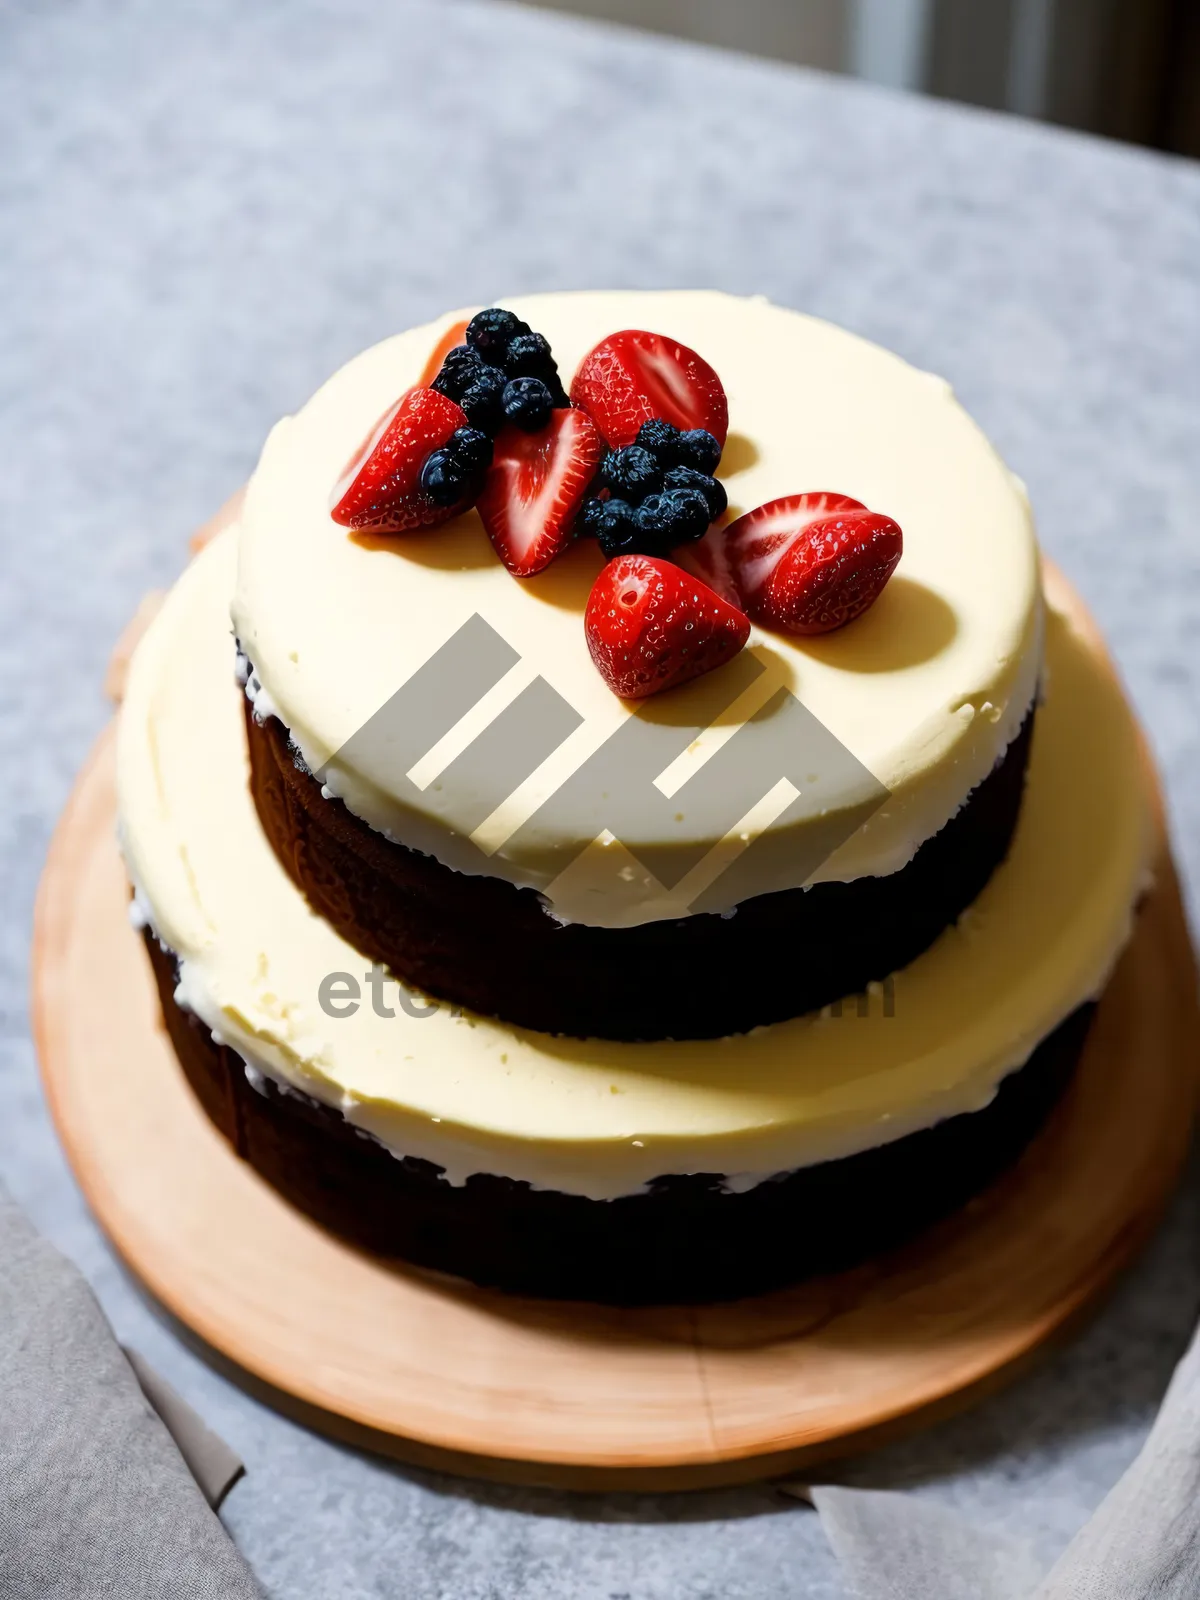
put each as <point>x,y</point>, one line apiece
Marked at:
<point>710,488</point>
<point>471,449</point>
<point>698,448</point>
<point>535,488</point>
<point>443,479</point>
<point>453,336</point>
<point>528,403</point>
<point>483,398</point>
<point>678,516</point>
<point>617,531</point>
<point>528,356</point>
<point>631,473</point>
<point>661,439</point>
<point>808,563</point>
<point>650,626</point>
<point>460,367</point>
<point>492,331</point>
<point>381,488</point>
<point>633,377</point>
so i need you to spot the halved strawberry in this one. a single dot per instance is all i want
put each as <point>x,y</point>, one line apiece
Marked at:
<point>650,626</point>
<point>454,335</point>
<point>807,563</point>
<point>381,486</point>
<point>633,376</point>
<point>535,485</point>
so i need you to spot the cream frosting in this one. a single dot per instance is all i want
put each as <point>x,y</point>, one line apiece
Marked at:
<point>925,691</point>
<point>601,1118</point>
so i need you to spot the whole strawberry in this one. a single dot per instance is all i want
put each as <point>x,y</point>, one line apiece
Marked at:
<point>650,626</point>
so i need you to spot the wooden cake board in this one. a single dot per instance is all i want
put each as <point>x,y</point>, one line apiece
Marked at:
<point>443,1375</point>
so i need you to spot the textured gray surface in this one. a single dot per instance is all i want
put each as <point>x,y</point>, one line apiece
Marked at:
<point>204,209</point>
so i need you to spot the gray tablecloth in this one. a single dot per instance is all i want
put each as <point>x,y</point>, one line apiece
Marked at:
<point>204,209</point>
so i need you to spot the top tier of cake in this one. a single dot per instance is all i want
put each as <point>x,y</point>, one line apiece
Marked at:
<point>490,761</point>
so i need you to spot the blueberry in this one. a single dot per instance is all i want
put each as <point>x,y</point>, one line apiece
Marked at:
<point>616,528</point>
<point>712,490</point>
<point>631,474</point>
<point>459,369</point>
<point>674,517</point>
<point>590,516</point>
<point>661,439</point>
<point>443,479</point>
<point>491,331</point>
<point>527,402</point>
<point>471,449</point>
<point>483,401</point>
<point>697,448</point>
<point>688,515</point>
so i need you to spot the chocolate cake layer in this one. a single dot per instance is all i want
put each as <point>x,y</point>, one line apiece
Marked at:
<point>684,1240</point>
<point>487,945</point>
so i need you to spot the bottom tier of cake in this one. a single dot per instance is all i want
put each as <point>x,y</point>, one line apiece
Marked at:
<point>682,1169</point>
<point>685,1239</point>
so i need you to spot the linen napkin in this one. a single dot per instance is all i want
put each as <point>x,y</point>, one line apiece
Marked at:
<point>96,1501</point>
<point>1142,1544</point>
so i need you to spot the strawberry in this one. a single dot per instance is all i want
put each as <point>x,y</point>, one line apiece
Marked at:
<point>650,626</point>
<point>633,377</point>
<point>535,485</point>
<point>380,488</point>
<point>807,563</point>
<point>454,335</point>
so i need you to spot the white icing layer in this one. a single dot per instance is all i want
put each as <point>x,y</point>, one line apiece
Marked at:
<point>603,1118</point>
<point>926,690</point>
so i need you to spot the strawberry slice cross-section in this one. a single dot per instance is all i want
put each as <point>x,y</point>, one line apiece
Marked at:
<point>634,376</point>
<point>380,489</point>
<point>803,564</point>
<point>534,487</point>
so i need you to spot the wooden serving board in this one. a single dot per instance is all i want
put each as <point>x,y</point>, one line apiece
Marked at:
<point>578,1396</point>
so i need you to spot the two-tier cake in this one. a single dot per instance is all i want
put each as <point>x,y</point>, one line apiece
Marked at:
<point>649,842</point>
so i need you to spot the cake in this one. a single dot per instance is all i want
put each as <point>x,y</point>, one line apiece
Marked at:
<point>668,971</point>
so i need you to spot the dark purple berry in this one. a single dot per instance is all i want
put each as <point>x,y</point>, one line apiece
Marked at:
<point>483,400</point>
<point>661,439</point>
<point>471,449</point>
<point>527,402</point>
<point>443,479</point>
<point>458,371</point>
<point>698,448</point>
<point>528,356</point>
<point>688,517</point>
<point>631,474</point>
<point>711,488</point>
<point>616,529</point>
<point>491,331</point>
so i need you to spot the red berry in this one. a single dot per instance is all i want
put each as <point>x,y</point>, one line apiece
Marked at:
<point>807,563</point>
<point>534,487</point>
<point>380,488</point>
<point>633,376</point>
<point>650,626</point>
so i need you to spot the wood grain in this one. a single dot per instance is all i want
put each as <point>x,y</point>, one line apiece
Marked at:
<point>581,1396</point>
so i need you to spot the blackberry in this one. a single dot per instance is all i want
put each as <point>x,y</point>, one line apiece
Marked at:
<point>470,449</point>
<point>443,479</point>
<point>661,439</point>
<point>491,332</point>
<point>589,517</point>
<point>712,490</point>
<point>616,529</point>
<point>697,448</point>
<point>675,517</point>
<point>528,356</point>
<point>631,474</point>
<point>483,400</point>
<point>527,402</point>
<point>458,371</point>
